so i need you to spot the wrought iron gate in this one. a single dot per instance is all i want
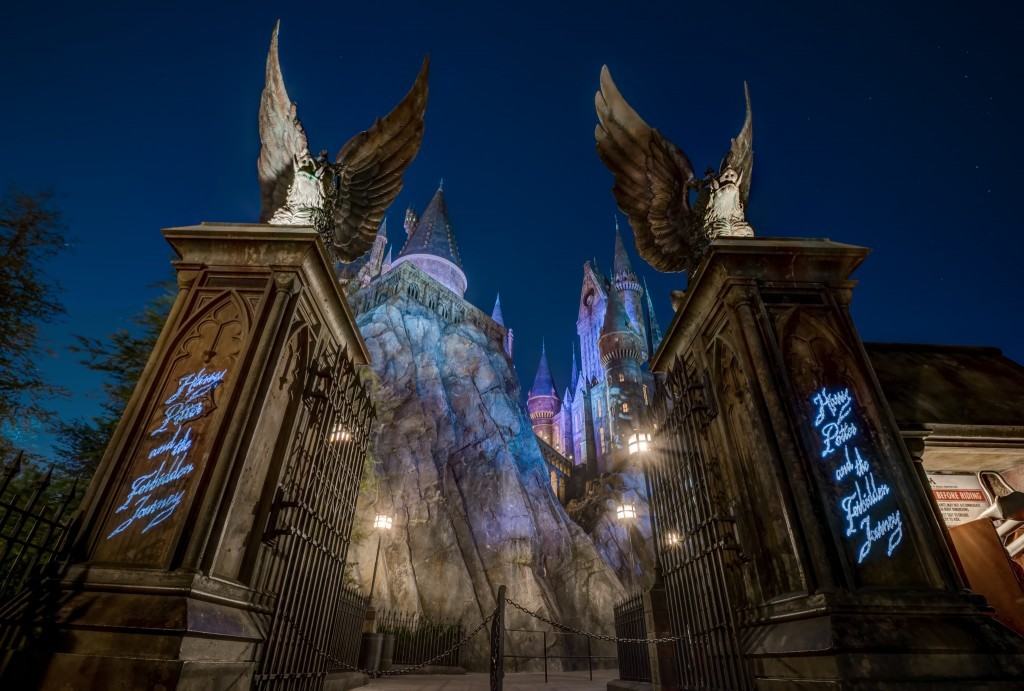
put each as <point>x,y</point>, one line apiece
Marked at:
<point>699,551</point>
<point>301,565</point>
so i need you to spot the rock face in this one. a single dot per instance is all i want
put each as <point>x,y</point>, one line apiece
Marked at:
<point>459,468</point>
<point>626,546</point>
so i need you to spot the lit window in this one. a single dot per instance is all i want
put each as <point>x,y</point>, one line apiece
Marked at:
<point>646,402</point>
<point>625,512</point>
<point>622,377</point>
<point>625,407</point>
<point>382,522</point>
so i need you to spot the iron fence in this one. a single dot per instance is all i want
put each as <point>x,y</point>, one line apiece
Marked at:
<point>350,612</point>
<point>34,521</point>
<point>419,638</point>
<point>634,659</point>
<point>311,619</point>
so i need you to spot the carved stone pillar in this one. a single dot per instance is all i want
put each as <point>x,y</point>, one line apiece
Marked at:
<point>838,571</point>
<point>158,594</point>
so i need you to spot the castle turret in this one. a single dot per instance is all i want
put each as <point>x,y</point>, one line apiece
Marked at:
<point>622,352</point>
<point>625,280</point>
<point>431,245</point>
<point>542,402</point>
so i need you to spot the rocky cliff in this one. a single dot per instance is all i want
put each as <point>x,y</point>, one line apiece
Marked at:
<point>626,546</point>
<point>459,468</point>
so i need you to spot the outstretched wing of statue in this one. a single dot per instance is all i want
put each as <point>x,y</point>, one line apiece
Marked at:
<point>653,179</point>
<point>741,151</point>
<point>281,137</point>
<point>370,167</point>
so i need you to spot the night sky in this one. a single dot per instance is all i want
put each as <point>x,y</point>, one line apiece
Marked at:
<point>889,125</point>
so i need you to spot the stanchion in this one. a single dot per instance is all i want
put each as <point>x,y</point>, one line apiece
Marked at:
<point>498,643</point>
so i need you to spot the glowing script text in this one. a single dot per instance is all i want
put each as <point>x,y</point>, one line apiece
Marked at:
<point>145,502</point>
<point>838,432</point>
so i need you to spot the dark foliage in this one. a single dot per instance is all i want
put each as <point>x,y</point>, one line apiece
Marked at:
<point>31,232</point>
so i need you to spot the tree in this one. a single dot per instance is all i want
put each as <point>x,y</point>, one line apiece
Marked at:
<point>31,232</point>
<point>121,357</point>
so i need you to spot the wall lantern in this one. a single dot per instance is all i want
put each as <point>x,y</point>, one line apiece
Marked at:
<point>638,442</point>
<point>339,433</point>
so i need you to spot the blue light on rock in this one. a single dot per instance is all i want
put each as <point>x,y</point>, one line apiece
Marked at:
<point>186,404</point>
<point>863,494</point>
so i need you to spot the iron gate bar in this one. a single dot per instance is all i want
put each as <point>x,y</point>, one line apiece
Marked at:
<point>301,566</point>
<point>699,570</point>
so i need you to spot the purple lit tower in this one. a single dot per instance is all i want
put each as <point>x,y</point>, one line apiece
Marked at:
<point>606,397</point>
<point>543,404</point>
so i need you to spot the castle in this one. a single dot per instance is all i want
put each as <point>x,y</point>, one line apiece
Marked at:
<point>582,433</point>
<point>607,398</point>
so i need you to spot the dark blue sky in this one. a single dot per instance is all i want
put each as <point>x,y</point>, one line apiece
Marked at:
<point>892,125</point>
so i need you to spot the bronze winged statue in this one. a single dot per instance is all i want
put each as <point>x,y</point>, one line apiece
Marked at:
<point>344,200</point>
<point>674,214</point>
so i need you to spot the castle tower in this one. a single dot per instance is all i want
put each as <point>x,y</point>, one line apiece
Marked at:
<point>593,298</point>
<point>542,402</point>
<point>622,352</point>
<point>625,280</point>
<point>431,245</point>
<point>565,423</point>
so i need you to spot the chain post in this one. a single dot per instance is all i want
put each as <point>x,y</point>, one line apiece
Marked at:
<point>498,643</point>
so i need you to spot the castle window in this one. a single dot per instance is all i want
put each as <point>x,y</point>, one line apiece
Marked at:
<point>622,377</point>
<point>625,407</point>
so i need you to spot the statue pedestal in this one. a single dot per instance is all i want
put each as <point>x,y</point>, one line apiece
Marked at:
<point>809,555</point>
<point>167,585</point>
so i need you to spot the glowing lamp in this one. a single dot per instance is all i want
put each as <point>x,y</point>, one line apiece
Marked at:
<point>672,539</point>
<point>625,512</point>
<point>382,522</point>
<point>638,442</point>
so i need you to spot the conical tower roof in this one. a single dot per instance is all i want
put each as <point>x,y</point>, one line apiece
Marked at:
<point>543,383</point>
<point>496,314</point>
<point>621,266</point>
<point>433,233</point>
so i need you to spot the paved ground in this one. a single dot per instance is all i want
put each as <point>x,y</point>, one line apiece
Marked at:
<point>557,681</point>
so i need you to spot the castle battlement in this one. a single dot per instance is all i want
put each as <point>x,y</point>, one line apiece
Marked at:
<point>408,280</point>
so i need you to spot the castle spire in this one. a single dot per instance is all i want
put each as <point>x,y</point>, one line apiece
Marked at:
<point>575,370</point>
<point>652,318</point>
<point>496,314</point>
<point>621,266</point>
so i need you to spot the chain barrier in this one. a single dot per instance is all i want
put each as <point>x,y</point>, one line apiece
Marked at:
<point>597,636</point>
<point>376,674</point>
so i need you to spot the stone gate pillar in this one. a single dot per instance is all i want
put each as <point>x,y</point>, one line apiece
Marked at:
<point>832,569</point>
<point>158,594</point>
